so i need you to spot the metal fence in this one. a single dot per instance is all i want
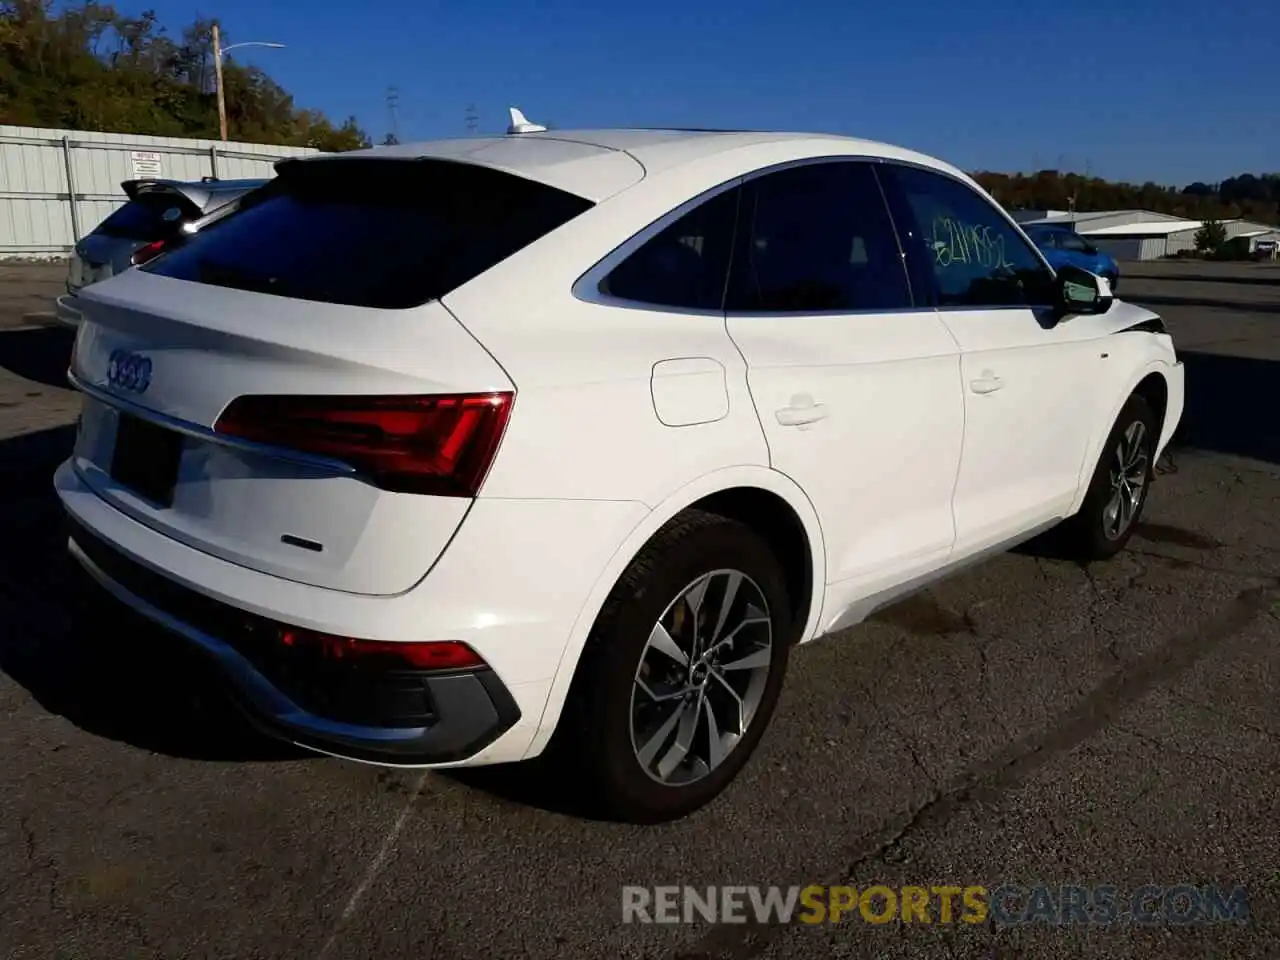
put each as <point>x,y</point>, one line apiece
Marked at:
<point>57,185</point>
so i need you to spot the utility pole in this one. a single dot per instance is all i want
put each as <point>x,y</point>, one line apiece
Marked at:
<point>218,52</point>
<point>473,121</point>
<point>393,100</point>
<point>217,73</point>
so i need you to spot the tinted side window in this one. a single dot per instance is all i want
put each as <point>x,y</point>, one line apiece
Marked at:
<point>685,265</point>
<point>977,257</point>
<point>1071,241</point>
<point>817,237</point>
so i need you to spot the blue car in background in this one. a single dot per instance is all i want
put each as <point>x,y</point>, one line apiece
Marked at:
<point>1062,246</point>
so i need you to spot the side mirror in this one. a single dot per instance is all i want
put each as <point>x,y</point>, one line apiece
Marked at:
<point>1081,293</point>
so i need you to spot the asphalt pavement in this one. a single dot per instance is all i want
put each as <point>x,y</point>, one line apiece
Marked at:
<point>1028,722</point>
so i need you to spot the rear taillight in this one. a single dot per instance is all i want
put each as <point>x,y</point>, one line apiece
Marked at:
<point>429,655</point>
<point>149,252</point>
<point>438,445</point>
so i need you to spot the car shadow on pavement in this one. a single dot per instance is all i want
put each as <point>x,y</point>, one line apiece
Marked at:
<point>83,656</point>
<point>544,783</point>
<point>1244,306</point>
<point>1231,406</point>
<point>1265,280</point>
<point>39,354</point>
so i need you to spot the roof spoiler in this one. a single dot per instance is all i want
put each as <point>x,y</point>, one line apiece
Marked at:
<point>132,188</point>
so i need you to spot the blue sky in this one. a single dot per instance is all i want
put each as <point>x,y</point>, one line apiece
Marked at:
<point>1171,91</point>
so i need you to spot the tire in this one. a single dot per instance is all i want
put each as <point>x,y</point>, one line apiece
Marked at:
<point>610,720</point>
<point>1093,533</point>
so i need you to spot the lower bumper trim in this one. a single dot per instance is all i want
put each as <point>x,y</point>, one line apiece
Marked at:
<point>470,709</point>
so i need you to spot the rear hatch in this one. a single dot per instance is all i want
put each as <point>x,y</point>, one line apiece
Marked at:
<point>156,210</point>
<point>286,392</point>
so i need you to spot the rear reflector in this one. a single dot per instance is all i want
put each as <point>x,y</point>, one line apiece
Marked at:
<point>436,445</point>
<point>383,654</point>
<point>149,252</point>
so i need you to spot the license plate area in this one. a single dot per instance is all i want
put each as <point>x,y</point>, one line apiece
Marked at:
<point>146,459</point>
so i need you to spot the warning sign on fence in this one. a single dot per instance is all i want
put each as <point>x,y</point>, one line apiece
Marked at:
<point>146,165</point>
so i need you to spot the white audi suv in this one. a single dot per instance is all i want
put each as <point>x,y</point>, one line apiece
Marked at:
<point>461,452</point>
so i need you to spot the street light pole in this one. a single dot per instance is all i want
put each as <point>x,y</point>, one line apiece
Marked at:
<point>218,51</point>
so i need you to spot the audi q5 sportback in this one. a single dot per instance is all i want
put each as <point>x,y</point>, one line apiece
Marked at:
<point>460,452</point>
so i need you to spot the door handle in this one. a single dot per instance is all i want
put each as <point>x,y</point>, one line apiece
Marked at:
<point>800,415</point>
<point>987,383</point>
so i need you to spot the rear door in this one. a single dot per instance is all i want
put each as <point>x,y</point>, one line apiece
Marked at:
<point>856,388</point>
<point>1029,382</point>
<point>320,300</point>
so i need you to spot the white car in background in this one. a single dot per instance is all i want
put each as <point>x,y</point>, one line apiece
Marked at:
<point>155,212</point>
<point>451,453</point>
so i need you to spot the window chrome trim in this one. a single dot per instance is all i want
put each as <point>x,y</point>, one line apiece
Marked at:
<point>818,314</point>
<point>914,307</point>
<point>989,202</point>
<point>198,432</point>
<point>587,287</point>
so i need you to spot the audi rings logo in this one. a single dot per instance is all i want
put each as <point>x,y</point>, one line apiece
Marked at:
<point>129,371</point>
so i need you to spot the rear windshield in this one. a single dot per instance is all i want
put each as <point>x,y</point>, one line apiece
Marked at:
<point>150,217</point>
<point>372,233</point>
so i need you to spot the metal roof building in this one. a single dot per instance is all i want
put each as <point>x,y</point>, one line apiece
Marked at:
<point>1145,234</point>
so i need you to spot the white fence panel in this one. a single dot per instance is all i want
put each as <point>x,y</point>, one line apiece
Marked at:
<point>58,185</point>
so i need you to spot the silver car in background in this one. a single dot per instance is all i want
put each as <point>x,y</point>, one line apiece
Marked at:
<point>157,211</point>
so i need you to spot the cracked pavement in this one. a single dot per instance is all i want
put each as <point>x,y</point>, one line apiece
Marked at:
<point>1028,721</point>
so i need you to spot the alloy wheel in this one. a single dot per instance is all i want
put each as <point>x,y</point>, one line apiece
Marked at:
<point>701,677</point>
<point>1129,471</point>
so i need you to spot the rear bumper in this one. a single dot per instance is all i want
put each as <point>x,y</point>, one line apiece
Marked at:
<point>455,714</point>
<point>67,310</point>
<point>497,588</point>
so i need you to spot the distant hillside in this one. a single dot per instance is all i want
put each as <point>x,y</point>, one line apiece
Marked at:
<point>1248,196</point>
<point>89,67</point>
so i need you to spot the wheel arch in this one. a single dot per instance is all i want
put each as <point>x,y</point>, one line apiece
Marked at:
<point>766,500</point>
<point>1151,381</point>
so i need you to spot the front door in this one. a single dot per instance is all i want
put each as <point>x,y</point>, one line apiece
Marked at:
<point>1028,381</point>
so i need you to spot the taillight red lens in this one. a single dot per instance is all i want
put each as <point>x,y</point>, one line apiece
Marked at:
<point>149,252</point>
<point>437,445</point>
<point>383,654</point>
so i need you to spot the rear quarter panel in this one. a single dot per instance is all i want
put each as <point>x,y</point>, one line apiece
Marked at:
<point>584,423</point>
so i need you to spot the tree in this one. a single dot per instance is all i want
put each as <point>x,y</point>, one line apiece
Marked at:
<point>1255,197</point>
<point>89,67</point>
<point>1211,237</point>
